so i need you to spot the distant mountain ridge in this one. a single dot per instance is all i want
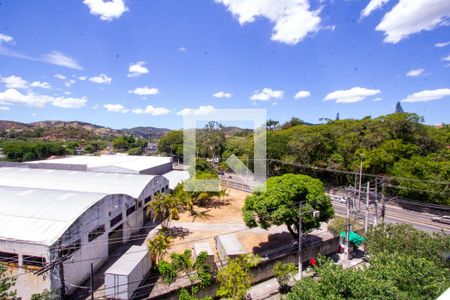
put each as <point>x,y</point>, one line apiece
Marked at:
<point>55,129</point>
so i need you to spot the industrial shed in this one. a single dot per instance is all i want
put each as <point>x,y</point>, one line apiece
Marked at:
<point>175,177</point>
<point>82,215</point>
<point>127,164</point>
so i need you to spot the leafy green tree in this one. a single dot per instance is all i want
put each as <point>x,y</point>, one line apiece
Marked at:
<point>271,124</point>
<point>284,272</point>
<point>159,245</point>
<point>278,204</point>
<point>45,295</point>
<point>235,278</point>
<point>165,206</point>
<point>6,284</point>
<point>182,265</point>
<point>171,143</point>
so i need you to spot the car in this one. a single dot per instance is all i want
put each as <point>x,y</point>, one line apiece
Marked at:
<point>442,219</point>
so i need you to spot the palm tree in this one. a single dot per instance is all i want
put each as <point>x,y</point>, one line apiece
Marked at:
<point>164,206</point>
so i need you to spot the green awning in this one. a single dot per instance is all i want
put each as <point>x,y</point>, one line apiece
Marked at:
<point>353,237</point>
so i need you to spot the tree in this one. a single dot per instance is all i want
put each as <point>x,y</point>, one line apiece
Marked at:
<point>171,143</point>
<point>159,245</point>
<point>278,204</point>
<point>165,206</point>
<point>271,124</point>
<point>182,264</point>
<point>284,272</point>
<point>45,295</point>
<point>337,117</point>
<point>6,284</point>
<point>339,224</point>
<point>398,108</point>
<point>235,278</point>
<point>211,140</point>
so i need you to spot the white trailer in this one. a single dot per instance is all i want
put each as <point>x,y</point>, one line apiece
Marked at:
<point>228,246</point>
<point>126,274</point>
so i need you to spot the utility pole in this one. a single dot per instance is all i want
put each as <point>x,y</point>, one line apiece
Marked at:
<point>376,202</point>
<point>300,237</point>
<point>92,281</point>
<point>383,207</point>
<point>360,182</point>
<point>366,221</point>
<point>62,287</point>
<point>347,232</point>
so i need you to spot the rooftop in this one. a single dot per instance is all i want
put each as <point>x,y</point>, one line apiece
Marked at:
<point>128,262</point>
<point>175,177</point>
<point>78,181</point>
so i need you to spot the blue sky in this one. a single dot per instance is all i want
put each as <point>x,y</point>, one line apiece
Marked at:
<point>147,63</point>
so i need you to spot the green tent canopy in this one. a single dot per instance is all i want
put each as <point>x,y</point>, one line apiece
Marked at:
<point>353,237</point>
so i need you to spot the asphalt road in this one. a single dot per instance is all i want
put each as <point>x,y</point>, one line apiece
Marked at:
<point>397,215</point>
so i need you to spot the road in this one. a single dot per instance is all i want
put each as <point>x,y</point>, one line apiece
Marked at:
<point>398,215</point>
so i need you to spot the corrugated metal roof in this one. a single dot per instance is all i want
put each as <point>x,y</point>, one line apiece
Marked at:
<point>128,261</point>
<point>107,183</point>
<point>40,216</point>
<point>175,177</point>
<point>130,162</point>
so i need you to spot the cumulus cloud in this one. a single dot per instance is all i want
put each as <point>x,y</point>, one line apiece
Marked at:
<point>413,16</point>
<point>441,45</point>
<point>17,82</point>
<point>60,76</point>
<point>293,19</point>
<point>106,9</point>
<point>144,91</point>
<point>137,69</point>
<point>6,39</point>
<point>427,95</point>
<point>82,78</point>
<point>101,79</point>
<point>116,108</point>
<point>447,58</point>
<point>14,97</point>
<point>377,99</point>
<point>372,6</point>
<point>222,94</point>
<point>154,111</point>
<point>69,83</point>
<point>5,108</point>
<point>182,49</point>
<point>60,59</point>
<point>352,95</point>
<point>302,94</point>
<point>200,111</point>
<point>267,94</point>
<point>415,72</point>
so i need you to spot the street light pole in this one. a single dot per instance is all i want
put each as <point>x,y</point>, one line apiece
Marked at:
<point>300,236</point>
<point>360,182</point>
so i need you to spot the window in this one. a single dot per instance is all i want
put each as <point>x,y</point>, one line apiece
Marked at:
<point>131,209</point>
<point>68,250</point>
<point>115,220</point>
<point>96,233</point>
<point>139,204</point>
<point>167,187</point>
<point>147,200</point>
<point>9,258</point>
<point>35,261</point>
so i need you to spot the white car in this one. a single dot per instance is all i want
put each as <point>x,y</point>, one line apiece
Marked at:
<point>443,219</point>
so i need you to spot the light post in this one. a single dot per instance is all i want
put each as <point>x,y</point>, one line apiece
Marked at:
<point>316,214</point>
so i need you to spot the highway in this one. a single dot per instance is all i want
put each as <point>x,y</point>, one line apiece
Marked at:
<point>397,215</point>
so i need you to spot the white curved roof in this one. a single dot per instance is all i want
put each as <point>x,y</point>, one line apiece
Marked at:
<point>40,216</point>
<point>175,177</point>
<point>78,181</point>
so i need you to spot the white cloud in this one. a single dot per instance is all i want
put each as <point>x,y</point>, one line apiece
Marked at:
<point>14,97</point>
<point>182,49</point>
<point>144,91</point>
<point>352,95</point>
<point>69,83</point>
<point>372,6</point>
<point>101,79</point>
<point>82,78</point>
<point>69,102</point>
<point>447,58</point>
<point>154,111</point>
<point>413,16</point>
<point>60,59</point>
<point>267,94</point>
<point>60,76</point>
<point>137,69</point>
<point>302,94</point>
<point>415,72</point>
<point>6,39</point>
<point>377,99</point>
<point>293,20</point>
<point>116,108</point>
<point>441,45</point>
<point>14,82</point>
<point>427,95</point>
<point>17,82</point>
<point>200,111</point>
<point>106,9</point>
<point>222,94</point>
<point>5,108</point>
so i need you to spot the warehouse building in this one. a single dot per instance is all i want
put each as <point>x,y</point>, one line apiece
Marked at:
<point>81,216</point>
<point>125,164</point>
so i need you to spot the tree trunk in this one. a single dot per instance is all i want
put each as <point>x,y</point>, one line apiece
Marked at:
<point>292,232</point>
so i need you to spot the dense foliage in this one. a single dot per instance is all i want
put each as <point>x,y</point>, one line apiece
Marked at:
<point>31,150</point>
<point>6,284</point>
<point>278,204</point>
<point>404,263</point>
